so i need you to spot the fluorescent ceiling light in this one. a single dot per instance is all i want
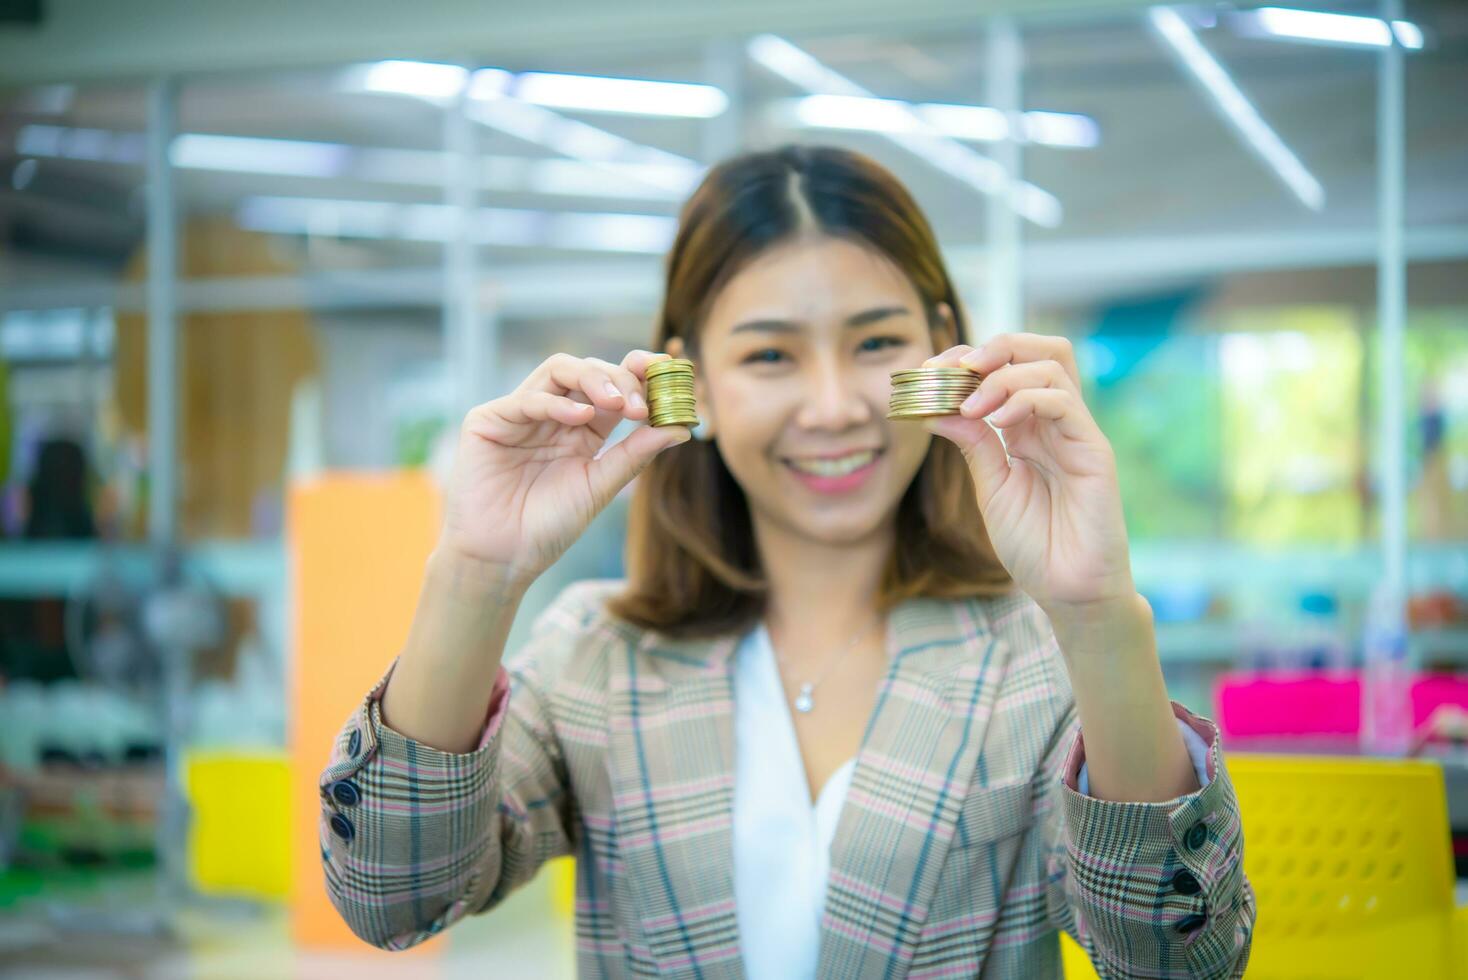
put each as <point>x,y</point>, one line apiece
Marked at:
<point>966,122</point>
<point>508,227</point>
<point>1061,129</point>
<point>490,83</point>
<point>636,96</point>
<point>1328,28</point>
<point>1408,34</point>
<point>80,143</point>
<point>654,180</point>
<point>585,93</point>
<point>425,79</point>
<point>207,151</point>
<point>495,100</point>
<point>56,334</point>
<point>582,141</point>
<point>1236,107</point>
<point>904,127</point>
<point>857,112</point>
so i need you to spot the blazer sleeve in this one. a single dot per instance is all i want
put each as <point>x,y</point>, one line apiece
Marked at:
<point>1148,889</point>
<point>414,838</point>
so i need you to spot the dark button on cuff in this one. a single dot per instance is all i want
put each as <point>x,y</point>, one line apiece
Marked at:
<point>1196,836</point>
<point>342,827</point>
<point>354,743</point>
<point>1184,883</point>
<point>1189,924</point>
<point>345,792</point>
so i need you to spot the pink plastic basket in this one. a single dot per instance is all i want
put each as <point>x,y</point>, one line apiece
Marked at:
<point>1316,704</point>
<point>1289,704</point>
<point>1432,691</point>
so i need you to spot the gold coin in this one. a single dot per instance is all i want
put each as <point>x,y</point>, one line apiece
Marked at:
<point>900,392</point>
<point>933,392</point>
<point>670,393</point>
<point>944,399</point>
<point>923,414</point>
<point>922,382</point>
<point>934,372</point>
<point>677,365</point>
<point>925,392</point>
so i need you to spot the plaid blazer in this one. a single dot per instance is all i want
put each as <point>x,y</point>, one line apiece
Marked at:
<point>961,849</point>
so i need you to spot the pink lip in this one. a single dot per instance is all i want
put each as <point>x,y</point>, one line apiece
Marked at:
<point>836,484</point>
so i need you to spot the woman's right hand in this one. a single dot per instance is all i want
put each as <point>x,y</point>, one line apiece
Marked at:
<point>527,479</point>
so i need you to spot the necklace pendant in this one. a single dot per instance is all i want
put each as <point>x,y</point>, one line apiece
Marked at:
<point>803,701</point>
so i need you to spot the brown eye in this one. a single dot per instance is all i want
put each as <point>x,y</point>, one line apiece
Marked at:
<point>760,356</point>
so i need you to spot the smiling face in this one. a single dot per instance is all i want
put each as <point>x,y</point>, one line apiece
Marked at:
<point>794,365</point>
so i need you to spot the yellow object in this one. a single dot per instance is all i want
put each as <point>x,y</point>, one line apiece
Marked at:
<point>1074,961</point>
<point>563,886</point>
<point>239,834</point>
<point>1351,867</point>
<point>1460,942</point>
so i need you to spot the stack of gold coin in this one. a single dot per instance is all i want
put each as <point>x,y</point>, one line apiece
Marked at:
<point>670,392</point>
<point>921,392</point>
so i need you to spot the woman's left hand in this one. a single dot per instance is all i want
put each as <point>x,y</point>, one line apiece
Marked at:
<point>1052,505</point>
<point>1052,508</point>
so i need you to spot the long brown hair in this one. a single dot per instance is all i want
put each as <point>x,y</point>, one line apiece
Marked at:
<point>693,568</point>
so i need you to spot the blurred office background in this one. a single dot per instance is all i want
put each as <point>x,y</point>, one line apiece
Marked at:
<point>256,260</point>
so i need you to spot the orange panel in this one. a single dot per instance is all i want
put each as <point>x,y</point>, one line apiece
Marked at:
<point>357,544</point>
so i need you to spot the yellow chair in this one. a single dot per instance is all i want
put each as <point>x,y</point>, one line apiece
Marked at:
<point>1351,866</point>
<point>240,823</point>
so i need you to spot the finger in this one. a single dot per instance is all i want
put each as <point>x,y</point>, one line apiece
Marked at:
<point>1017,348</point>
<point>637,361</point>
<point>996,388</point>
<point>527,408</point>
<point>1062,408</point>
<point>981,446</point>
<point>634,404</point>
<point>949,357</point>
<point>615,468</point>
<point>578,374</point>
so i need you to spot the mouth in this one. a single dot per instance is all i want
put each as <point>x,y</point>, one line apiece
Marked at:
<point>834,474</point>
<point>832,466</point>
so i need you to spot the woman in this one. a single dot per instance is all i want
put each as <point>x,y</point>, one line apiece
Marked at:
<point>829,724</point>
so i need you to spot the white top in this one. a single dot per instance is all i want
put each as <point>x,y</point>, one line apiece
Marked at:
<point>782,844</point>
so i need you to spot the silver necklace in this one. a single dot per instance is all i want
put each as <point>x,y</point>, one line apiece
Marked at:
<point>805,700</point>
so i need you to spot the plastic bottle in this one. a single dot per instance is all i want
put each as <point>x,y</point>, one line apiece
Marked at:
<point>1386,691</point>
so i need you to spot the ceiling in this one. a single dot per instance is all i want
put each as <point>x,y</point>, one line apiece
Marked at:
<point>1167,172</point>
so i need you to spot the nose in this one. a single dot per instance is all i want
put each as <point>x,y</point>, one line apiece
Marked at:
<point>833,399</point>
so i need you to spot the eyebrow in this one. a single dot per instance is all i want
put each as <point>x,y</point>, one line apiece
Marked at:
<point>862,319</point>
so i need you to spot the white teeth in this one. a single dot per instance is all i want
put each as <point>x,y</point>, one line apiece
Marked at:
<point>839,466</point>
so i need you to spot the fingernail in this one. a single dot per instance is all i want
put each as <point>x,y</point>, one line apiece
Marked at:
<point>635,400</point>
<point>970,402</point>
<point>612,390</point>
